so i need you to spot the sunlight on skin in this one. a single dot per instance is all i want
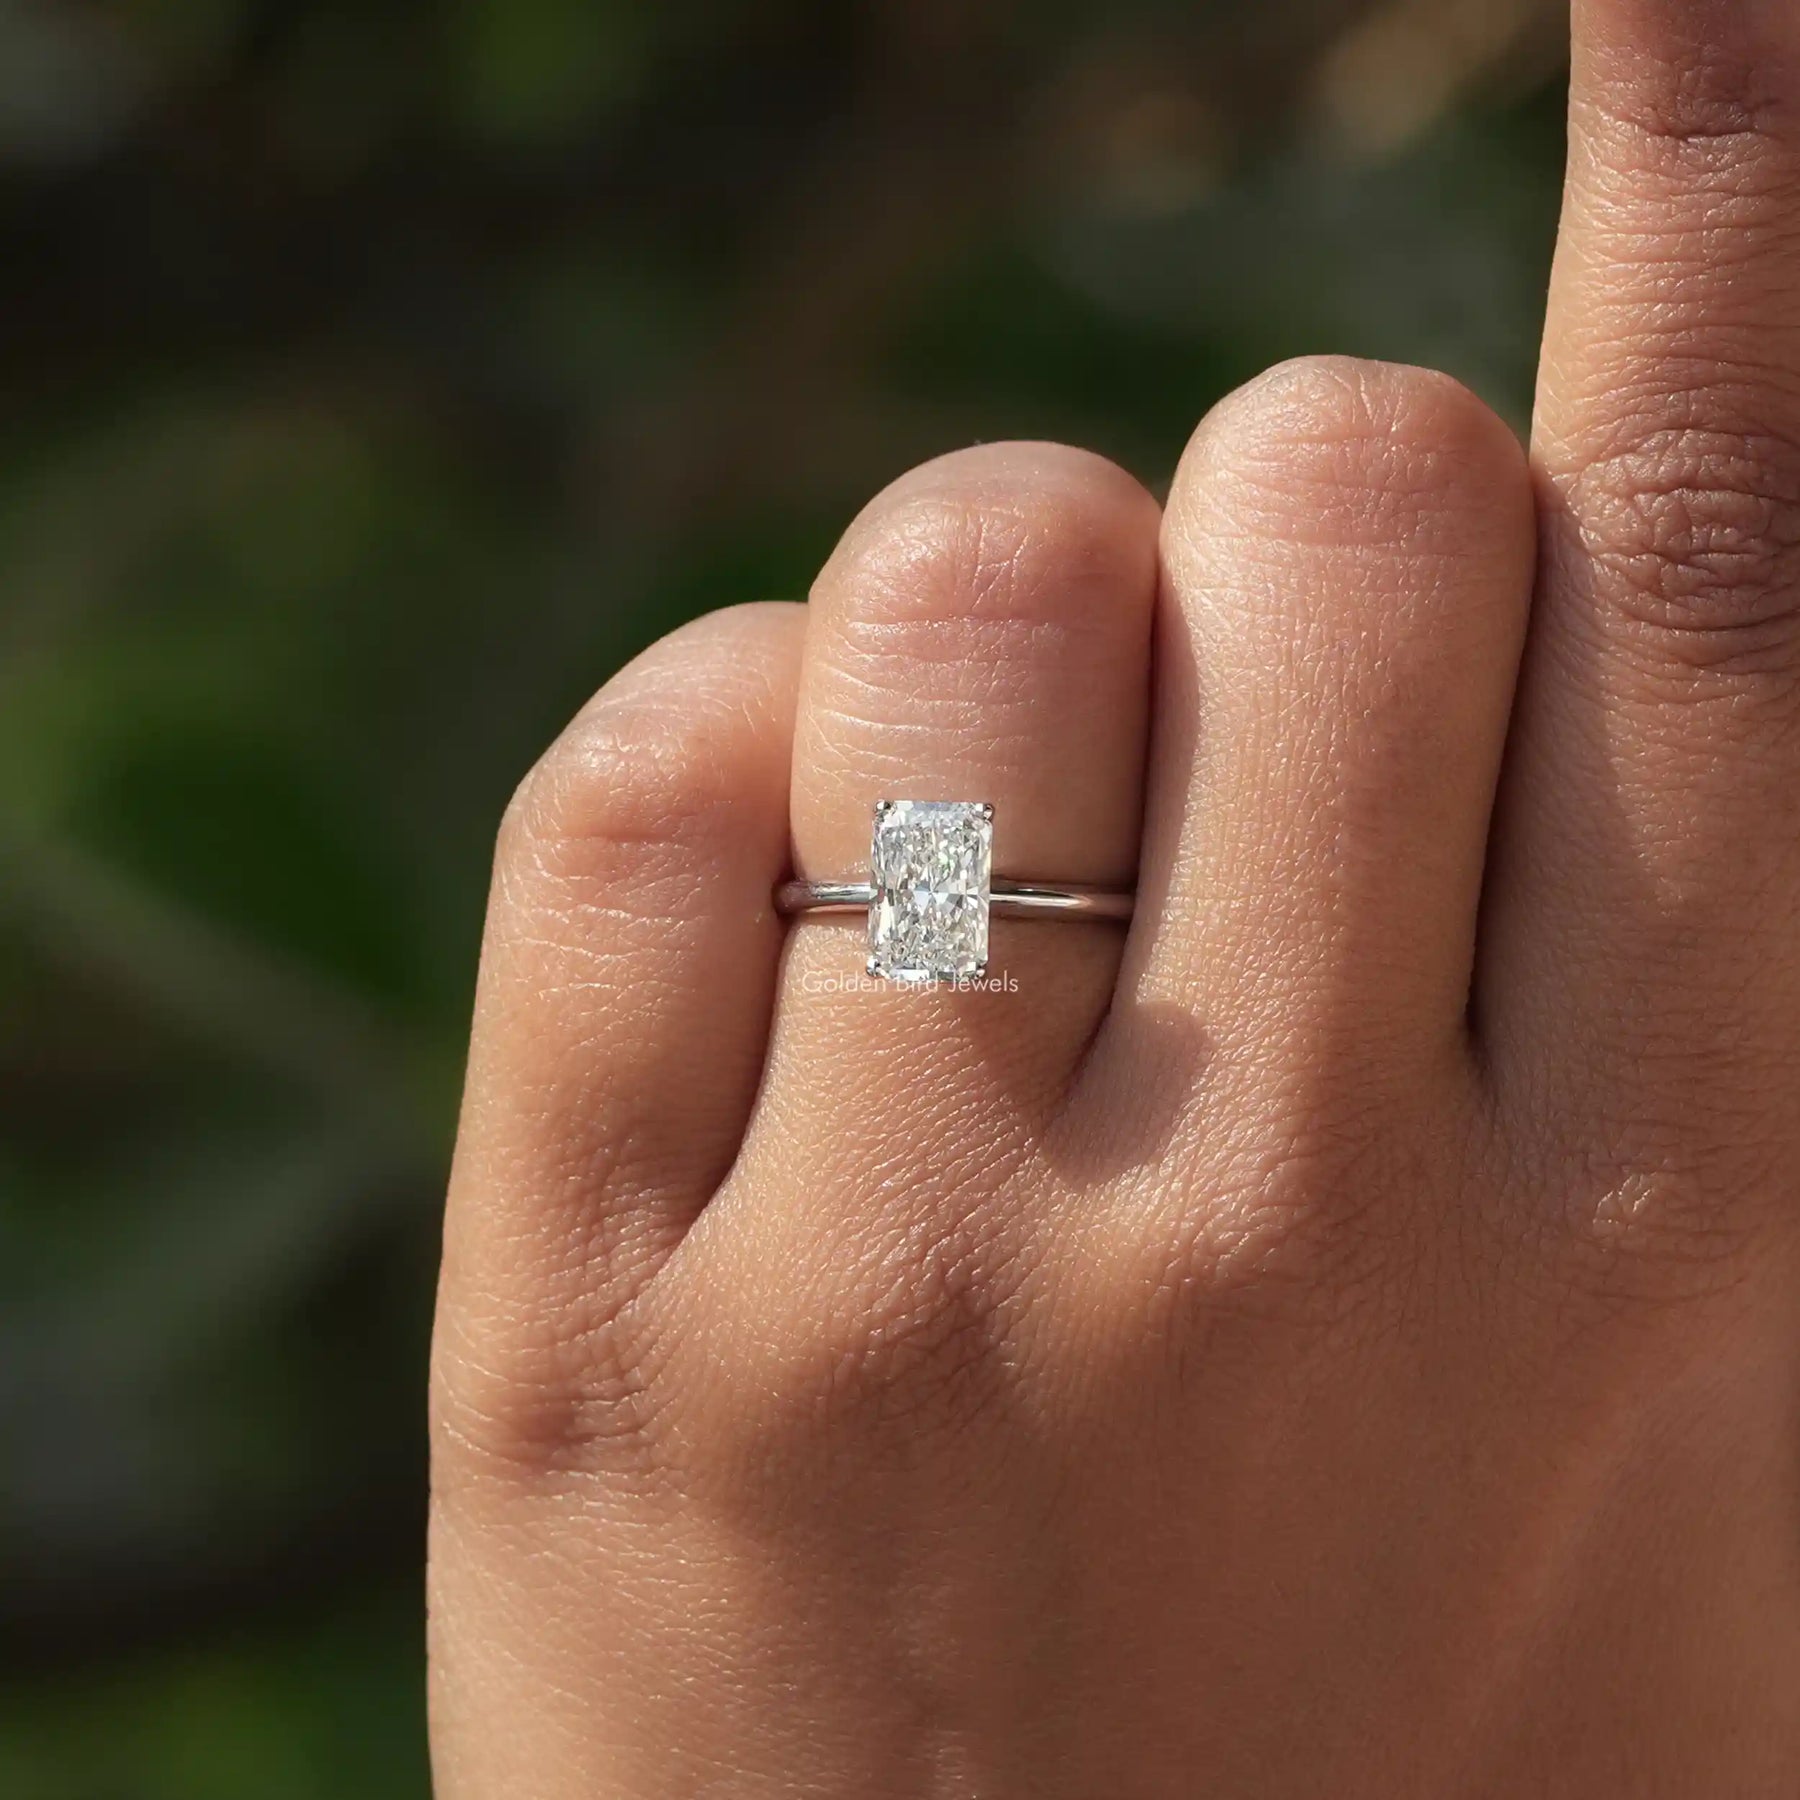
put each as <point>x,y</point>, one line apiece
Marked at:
<point>1337,1332</point>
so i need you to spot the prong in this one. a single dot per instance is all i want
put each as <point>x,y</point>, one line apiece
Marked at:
<point>987,811</point>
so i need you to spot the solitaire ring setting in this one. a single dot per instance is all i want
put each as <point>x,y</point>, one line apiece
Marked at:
<point>931,891</point>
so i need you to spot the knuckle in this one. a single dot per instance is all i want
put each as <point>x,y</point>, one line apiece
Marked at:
<point>534,1402</point>
<point>878,1372</point>
<point>1355,453</point>
<point>1656,1236</point>
<point>1664,1193</point>
<point>1311,1219</point>
<point>1025,536</point>
<point>674,761</point>
<point>1692,536</point>
<point>978,594</point>
<point>1724,92</point>
<point>1703,113</point>
<point>937,556</point>
<point>631,788</point>
<point>930,1355</point>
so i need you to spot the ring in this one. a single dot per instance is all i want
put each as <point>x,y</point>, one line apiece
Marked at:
<point>931,891</point>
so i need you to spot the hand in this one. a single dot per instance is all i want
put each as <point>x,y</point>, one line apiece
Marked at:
<point>1339,1337</point>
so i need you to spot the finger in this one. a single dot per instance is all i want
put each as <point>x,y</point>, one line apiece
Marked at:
<point>981,634</point>
<point>621,1018</point>
<point>1348,552</point>
<point>1648,818</point>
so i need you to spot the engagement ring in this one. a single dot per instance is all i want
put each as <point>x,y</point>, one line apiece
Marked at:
<point>931,891</point>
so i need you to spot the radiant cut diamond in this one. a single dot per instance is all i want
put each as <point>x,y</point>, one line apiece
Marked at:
<point>930,869</point>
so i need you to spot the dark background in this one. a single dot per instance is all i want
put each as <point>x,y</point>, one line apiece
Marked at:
<point>375,376</point>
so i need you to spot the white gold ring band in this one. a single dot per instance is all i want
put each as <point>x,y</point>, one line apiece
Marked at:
<point>931,891</point>
<point>1007,899</point>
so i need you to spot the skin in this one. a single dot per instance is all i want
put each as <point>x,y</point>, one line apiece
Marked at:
<point>1338,1336</point>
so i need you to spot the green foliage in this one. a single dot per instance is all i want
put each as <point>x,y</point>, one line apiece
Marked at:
<point>288,1712</point>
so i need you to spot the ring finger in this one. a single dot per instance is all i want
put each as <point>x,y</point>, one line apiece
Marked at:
<point>981,634</point>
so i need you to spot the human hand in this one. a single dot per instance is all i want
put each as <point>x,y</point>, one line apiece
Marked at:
<point>1337,1337</point>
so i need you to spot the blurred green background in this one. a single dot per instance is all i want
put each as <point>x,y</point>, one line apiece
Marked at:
<point>378,374</point>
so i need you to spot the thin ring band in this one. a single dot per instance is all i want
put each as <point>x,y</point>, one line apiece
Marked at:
<point>1010,900</point>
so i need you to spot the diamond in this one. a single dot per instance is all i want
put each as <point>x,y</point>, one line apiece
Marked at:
<point>930,869</point>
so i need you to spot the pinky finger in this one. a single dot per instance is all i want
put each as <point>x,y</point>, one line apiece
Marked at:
<point>621,1018</point>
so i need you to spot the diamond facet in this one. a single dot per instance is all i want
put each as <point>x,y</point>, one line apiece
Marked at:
<point>930,868</point>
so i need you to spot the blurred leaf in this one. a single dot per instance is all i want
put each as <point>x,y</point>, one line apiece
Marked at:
<point>184,37</point>
<point>534,71</point>
<point>66,87</point>
<point>298,1716</point>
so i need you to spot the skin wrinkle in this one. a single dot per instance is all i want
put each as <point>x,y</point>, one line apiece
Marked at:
<point>1715,104</point>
